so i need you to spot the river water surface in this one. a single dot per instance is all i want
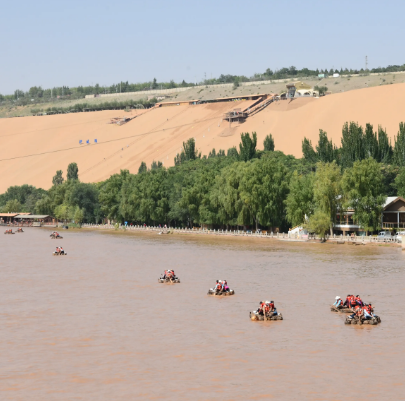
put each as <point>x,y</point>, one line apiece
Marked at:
<point>96,325</point>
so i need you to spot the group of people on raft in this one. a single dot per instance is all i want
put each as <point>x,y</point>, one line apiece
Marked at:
<point>55,234</point>
<point>221,286</point>
<point>8,231</point>
<point>169,275</point>
<point>360,309</point>
<point>267,308</point>
<point>59,250</point>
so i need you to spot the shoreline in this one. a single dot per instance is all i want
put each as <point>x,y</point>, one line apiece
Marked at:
<point>154,231</point>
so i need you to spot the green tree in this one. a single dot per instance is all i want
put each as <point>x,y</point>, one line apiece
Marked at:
<point>156,165</point>
<point>58,178</point>
<point>363,191</point>
<point>327,189</point>
<point>154,84</point>
<point>232,152</point>
<point>385,151</point>
<point>300,199</point>
<point>400,182</point>
<point>247,147</point>
<point>268,143</point>
<point>399,147</point>
<point>62,212</point>
<point>12,206</point>
<point>189,152</point>
<point>308,151</point>
<point>352,144</point>
<point>370,143</point>
<point>72,172</point>
<point>142,168</point>
<point>325,149</point>
<point>78,215</point>
<point>319,223</point>
<point>263,190</point>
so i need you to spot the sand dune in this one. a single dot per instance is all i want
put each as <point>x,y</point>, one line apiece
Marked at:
<point>158,134</point>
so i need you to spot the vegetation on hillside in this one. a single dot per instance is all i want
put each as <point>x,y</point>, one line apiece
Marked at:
<point>37,94</point>
<point>241,187</point>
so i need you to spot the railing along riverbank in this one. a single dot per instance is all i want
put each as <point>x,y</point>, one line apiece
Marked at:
<point>340,239</point>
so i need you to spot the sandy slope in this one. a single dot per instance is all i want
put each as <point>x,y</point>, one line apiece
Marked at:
<point>158,134</point>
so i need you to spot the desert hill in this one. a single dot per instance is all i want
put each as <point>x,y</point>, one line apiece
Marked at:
<point>157,134</point>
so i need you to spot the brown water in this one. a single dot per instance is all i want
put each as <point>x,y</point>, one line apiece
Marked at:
<point>96,325</point>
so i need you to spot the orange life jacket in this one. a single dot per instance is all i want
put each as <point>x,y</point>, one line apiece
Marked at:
<point>271,306</point>
<point>352,301</point>
<point>218,286</point>
<point>358,299</point>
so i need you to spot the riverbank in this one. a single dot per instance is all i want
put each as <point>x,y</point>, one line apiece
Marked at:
<point>239,235</point>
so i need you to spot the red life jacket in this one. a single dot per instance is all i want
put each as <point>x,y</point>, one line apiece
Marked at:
<point>218,286</point>
<point>352,301</point>
<point>358,299</point>
<point>271,306</point>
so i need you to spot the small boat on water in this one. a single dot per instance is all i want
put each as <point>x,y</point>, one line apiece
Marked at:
<point>258,317</point>
<point>59,254</point>
<point>20,230</point>
<point>8,232</point>
<point>343,309</point>
<point>215,293</point>
<point>360,321</point>
<point>169,280</point>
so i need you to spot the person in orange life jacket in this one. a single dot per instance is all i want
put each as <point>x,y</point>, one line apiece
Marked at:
<point>62,252</point>
<point>358,311</point>
<point>347,301</point>
<point>358,300</point>
<point>218,286</point>
<point>57,250</point>
<point>225,287</point>
<point>261,308</point>
<point>368,311</point>
<point>272,308</point>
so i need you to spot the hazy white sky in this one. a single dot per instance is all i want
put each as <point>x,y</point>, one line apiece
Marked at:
<point>82,42</point>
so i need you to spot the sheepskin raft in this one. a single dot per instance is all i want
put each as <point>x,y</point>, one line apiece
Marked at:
<point>256,317</point>
<point>168,281</point>
<point>214,293</point>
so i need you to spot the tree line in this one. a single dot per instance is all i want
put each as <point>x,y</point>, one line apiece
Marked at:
<point>113,105</point>
<point>39,94</point>
<point>242,186</point>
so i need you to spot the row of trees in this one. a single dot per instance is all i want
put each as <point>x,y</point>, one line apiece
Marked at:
<point>240,187</point>
<point>113,105</point>
<point>39,94</point>
<point>358,144</point>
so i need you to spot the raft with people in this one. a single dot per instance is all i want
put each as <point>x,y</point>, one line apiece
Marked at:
<point>348,305</point>
<point>266,311</point>
<point>55,235</point>
<point>361,320</point>
<point>221,289</point>
<point>19,230</point>
<point>59,252</point>
<point>9,232</point>
<point>169,277</point>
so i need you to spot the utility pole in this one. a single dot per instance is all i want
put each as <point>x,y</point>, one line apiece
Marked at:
<point>120,87</point>
<point>366,63</point>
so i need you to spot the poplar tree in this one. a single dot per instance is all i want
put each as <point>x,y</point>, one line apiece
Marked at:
<point>268,143</point>
<point>327,189</point>
<point>384,147</point>
<point>247,147</point>
<point>399,147</point>
<point>308,151</point>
